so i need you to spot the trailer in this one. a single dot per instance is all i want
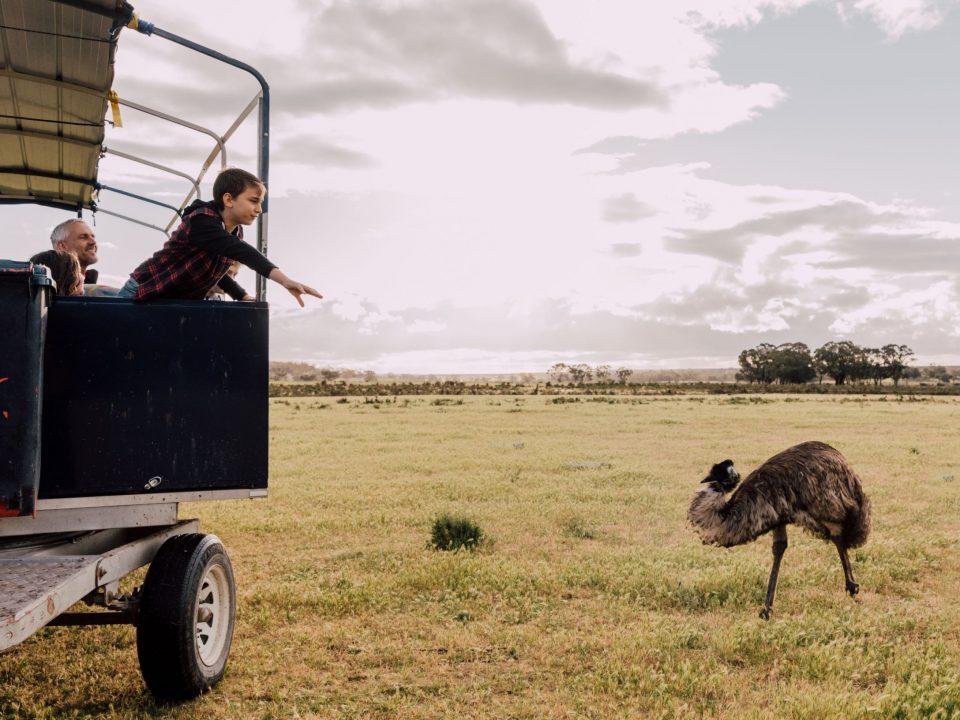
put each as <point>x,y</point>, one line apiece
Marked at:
<point>112,413</point>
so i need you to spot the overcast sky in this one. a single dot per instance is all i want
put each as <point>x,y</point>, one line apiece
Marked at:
<point>499,185</point>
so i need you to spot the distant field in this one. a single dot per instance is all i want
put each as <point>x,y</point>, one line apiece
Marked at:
<point>594,599</point>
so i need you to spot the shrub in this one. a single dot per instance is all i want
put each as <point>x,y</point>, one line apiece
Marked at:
<point>454,533</point>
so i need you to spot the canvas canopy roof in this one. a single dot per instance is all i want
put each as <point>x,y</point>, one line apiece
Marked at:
<point>56,70</point>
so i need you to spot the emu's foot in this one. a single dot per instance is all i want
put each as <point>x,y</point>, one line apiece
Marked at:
<point>853,588</point>
<point>765,613</point>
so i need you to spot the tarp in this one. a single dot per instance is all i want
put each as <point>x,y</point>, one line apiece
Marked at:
<point>56,70</point>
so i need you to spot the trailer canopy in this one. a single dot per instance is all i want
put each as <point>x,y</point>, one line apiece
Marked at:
<point>56,73</point>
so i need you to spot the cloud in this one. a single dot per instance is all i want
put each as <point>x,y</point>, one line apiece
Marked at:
<point>626,250</point>
<point>626,208</point>
<point>897,17</point>
<point>310,149</point>
<point>378,54</point>
<point>730,243</point>
<point>895,253</point>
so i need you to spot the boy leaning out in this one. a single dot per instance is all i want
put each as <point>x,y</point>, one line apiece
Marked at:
<point>205,245</point>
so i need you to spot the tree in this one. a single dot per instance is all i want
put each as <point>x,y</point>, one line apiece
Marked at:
<point>558,373</point>
<point>601,373</point>
<point>839,360</point>
<point>580,373</point>
<point>756,364</point>
<point>894,360</point>
<point>938,373</point>
<point>623,375</point>
<point>791,364</point>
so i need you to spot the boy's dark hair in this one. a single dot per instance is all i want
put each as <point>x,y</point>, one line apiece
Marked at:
<point>233,181</point>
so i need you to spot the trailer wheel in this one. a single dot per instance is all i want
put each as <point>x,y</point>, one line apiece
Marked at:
<point>187,614</point>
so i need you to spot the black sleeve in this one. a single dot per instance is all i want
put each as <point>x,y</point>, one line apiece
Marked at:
<point>208,233</point>
<point>231,287</point>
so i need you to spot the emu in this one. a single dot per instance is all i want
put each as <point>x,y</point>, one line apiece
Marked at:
<point>809,484</point>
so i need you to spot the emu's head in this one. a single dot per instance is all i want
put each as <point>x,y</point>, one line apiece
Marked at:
<point>723,476</point>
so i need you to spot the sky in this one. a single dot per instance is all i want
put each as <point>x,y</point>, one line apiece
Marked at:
<point>495,186</point>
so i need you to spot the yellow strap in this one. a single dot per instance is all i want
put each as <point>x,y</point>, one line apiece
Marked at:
<point>114,100</point>
<point>134,21</point>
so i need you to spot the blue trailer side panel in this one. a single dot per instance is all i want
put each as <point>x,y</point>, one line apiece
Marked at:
<point>24,295</point>
<point>159,396</point>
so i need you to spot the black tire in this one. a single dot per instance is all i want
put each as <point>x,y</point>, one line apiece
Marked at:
<point>187,614</point>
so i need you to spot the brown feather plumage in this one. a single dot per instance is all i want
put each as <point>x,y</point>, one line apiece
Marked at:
<point>810,485</point>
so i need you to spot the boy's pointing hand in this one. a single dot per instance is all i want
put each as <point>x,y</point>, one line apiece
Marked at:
<point>297,289</point>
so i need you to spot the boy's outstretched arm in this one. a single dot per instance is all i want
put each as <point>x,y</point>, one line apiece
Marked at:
<point>293,287</point>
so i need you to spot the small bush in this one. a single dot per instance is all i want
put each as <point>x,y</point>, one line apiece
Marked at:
<point>575,527</point>
<point>454,533</point>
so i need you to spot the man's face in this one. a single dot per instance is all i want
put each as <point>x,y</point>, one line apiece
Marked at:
<point>81,242</point>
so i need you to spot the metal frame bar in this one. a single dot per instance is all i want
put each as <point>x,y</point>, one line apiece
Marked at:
<point>69,575</point>
<point>49,136</point>
<point>21,172</point>
<point>131,219</point>
<point>54,203</point>
<point>136,197</point>
<point>62,84</point>
<point>98,512</point>
<point>151,163</point>
<point>221,142</point>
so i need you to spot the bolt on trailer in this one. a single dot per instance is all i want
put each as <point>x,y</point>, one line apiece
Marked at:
<point>112,413</point>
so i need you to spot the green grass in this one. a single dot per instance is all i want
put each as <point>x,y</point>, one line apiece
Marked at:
<point>592,597</point>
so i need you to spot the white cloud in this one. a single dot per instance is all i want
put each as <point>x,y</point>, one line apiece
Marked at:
<point>897,17</point>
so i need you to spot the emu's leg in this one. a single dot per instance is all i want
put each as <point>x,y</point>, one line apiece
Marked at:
<point>852,586</point>
<point>779,548</point>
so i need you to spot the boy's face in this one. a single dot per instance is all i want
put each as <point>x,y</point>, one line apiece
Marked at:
<point>247,206</point>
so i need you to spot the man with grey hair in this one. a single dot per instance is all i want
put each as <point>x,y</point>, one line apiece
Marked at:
<point>77,238</point>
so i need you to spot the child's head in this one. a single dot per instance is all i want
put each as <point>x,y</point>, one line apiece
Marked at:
<point>233,181</point>
<point>64,269</point>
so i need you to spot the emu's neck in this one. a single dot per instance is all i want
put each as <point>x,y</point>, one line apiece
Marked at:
<point>719,519</point>
<point>707,516</point>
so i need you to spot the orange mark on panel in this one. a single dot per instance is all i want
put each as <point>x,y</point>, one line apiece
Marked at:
<point>6,415</point>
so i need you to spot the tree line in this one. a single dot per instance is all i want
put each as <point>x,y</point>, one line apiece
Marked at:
<point>582,373</point>
<point>842,361</point>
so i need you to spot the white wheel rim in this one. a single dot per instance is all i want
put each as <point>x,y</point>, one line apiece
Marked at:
<point>213,615</point>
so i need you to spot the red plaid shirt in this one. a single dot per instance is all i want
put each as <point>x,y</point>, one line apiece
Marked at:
<point>180,269</point>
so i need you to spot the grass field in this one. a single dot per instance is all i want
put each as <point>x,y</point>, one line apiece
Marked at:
<point>592,597</point>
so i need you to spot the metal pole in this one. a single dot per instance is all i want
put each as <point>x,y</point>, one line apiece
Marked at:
<point>137,197</point>
<point>184,123</point>
<point>150,163</point>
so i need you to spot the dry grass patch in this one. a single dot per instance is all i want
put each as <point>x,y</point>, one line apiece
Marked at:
<point>595,601</point>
